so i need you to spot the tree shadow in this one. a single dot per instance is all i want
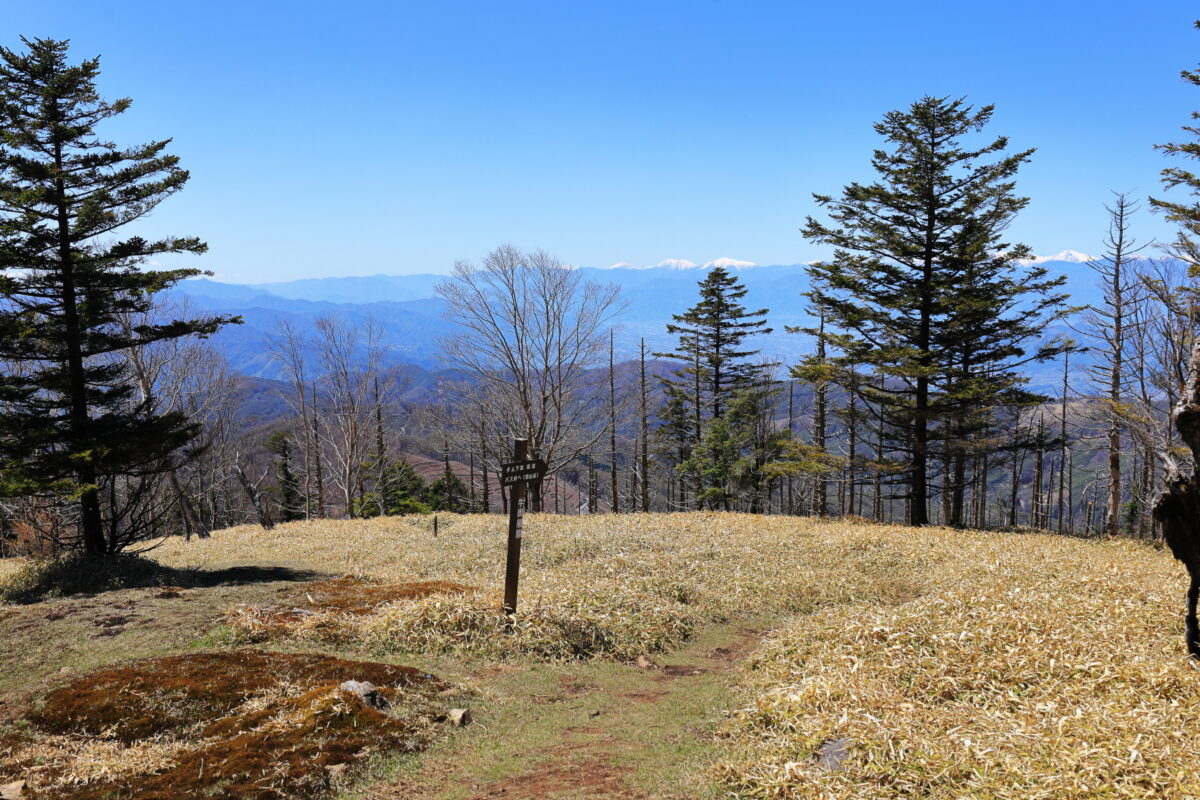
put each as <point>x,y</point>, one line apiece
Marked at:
<point>79,575</point>
<point>200,578</point>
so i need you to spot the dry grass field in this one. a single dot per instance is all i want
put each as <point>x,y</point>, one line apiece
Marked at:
<point>953,664</point>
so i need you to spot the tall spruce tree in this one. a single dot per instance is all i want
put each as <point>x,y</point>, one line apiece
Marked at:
<point>712,337</point>
<point>718,366</point>
<point>69,416</point>
<point>923,289</point>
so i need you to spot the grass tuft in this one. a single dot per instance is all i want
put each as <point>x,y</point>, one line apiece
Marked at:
<point>960,664</point>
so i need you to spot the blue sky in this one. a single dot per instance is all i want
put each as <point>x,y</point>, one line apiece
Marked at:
<point>357,138</point>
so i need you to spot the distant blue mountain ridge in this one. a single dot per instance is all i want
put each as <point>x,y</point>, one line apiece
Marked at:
<point>411,314</point>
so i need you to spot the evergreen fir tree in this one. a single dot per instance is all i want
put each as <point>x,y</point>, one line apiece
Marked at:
<point>676,436</point>
<point>712,336</point>
<point>719,364</point>
<point>69,417</point>
<point>447,493</point>
<point>1177,509</point>
<point>923,289</point>
<point>287,485</point>
<point>405,492</point>
<point>1185,215</point>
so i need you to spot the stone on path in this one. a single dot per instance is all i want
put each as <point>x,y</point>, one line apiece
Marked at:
<point>832,753</point>
<point>366,692</point>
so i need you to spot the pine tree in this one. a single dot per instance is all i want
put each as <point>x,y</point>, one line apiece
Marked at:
<point>676,437</point>
<point>922,288</point>
<point>69,417</point>
<point>1186,215</point>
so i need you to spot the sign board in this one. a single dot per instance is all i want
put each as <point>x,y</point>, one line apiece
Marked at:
<point>522,471</point>
<point>516,475</point>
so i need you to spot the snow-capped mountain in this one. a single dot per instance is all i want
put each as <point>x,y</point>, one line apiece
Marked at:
<point>683,263</point>
<point>730,263</point>
<point>410,311</point>
<point>1066,256</point>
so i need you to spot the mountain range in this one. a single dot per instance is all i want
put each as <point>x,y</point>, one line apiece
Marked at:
<point>411,314</point>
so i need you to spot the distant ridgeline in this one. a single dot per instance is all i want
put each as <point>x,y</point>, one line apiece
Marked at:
<point>410,313</point>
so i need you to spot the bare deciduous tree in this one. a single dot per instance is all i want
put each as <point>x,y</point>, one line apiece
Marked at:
<point>529,330</point>
<point>351,357</point>
<point>287,348</point>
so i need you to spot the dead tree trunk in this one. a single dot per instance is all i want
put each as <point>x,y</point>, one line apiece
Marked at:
<point>192,524</point>
<point>645,409</point>
<point>612,423</point>
<point>255,495</point>
<point>1178,508</point>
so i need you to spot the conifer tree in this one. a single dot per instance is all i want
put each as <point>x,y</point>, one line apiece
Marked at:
<point>287,486</point>
<point>711,337</point>
<point>719,365</point>
<point>676,437</point>
<point>447,493</point>
<point>923,289</point>
<point>69,416</point>
<point>404,491</point>
<point>1185,214</point>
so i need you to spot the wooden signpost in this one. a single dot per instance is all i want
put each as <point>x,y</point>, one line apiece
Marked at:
<point>521,471</point>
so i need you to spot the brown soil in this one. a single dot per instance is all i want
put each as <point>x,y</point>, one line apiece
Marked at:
<point>250,725</point>
<point>680,671</point>
<point>317,605</point>
<point>354,596</point>
<point>593,730</point>
<point>583,777</point>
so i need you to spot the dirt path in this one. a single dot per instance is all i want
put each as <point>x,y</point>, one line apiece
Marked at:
<point>591,730</point>
<point>594,729</point>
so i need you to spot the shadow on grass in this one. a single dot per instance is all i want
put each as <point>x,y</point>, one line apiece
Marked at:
<point>237,576</point>
<point>79,574</point>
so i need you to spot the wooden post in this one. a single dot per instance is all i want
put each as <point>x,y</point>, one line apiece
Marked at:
<point>516,514</point>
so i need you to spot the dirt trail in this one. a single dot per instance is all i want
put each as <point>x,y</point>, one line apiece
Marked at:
<point>591,730</point>
<point>594,729</point>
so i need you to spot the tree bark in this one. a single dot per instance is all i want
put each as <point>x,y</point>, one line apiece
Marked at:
<point>645,436</point>
<point>1178,508</point>
<point>612,423</point>
<point>192,524</point>
<point>256,498</point>
<point>821,493</point>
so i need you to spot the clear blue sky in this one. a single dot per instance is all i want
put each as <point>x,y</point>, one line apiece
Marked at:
<point>390,137</point>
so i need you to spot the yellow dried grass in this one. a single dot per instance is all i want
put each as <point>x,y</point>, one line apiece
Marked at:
<point>616,586</point>
<point>1043,668</point>
<point>9,567</point>
<point>961,664</point>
